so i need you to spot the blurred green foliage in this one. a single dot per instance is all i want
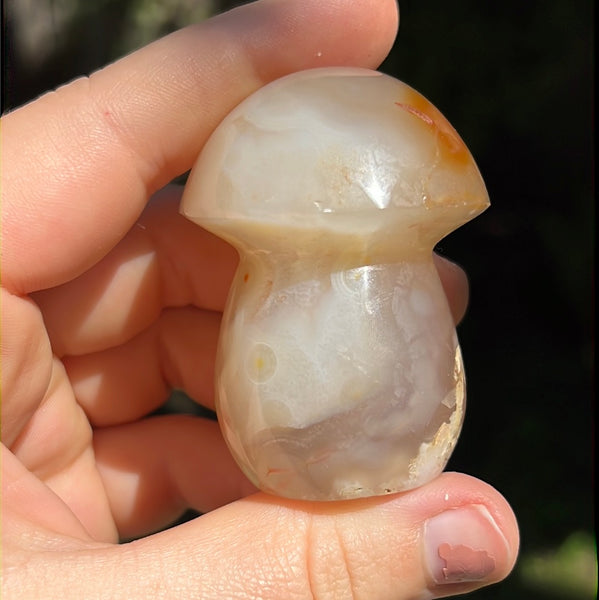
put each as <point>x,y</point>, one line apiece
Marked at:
<point>570,571</point>
<point>515,79</point>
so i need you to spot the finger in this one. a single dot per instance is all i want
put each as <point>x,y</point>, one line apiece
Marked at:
<point>80,163</point>
<point>25,373</point>
<point>156,468</point>
<point>449,537</point>
<point>55,446</point>
<point>164,261</point>
<point>376,548</point>
<point>455,284</point>
<point>126,383</point>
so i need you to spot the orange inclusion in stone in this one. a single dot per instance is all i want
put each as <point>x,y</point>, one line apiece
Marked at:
<point>452,147</point>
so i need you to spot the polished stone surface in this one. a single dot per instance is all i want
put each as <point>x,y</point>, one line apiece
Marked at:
<point>339,373</point>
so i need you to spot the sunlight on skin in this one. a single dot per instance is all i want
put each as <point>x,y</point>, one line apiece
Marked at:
<point>134,272</point>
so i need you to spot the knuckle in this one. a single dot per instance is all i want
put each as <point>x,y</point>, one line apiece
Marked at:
<point>336,566</point>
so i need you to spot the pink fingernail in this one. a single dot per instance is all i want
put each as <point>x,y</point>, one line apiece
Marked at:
<point>463,544</point>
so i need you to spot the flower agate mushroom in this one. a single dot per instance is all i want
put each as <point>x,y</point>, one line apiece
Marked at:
<point>339,373</point>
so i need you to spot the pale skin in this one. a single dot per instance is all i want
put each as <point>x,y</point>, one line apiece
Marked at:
<point>110,299</point>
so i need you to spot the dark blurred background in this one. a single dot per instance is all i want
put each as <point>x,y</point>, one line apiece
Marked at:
<point>516,81</point>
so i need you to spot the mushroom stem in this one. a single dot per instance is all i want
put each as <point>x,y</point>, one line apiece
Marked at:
<point>344,384</point>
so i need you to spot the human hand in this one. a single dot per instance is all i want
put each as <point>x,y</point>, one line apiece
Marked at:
<point>109,301</point>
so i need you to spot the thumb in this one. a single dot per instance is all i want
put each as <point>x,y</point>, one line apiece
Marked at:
<point>449,537</point>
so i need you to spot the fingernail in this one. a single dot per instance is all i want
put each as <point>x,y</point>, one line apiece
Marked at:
<point>463,544</point>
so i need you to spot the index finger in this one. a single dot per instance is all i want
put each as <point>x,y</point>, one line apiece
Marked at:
<point>80,163</point>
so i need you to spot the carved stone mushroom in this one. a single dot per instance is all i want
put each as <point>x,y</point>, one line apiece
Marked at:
<point>339,373</point>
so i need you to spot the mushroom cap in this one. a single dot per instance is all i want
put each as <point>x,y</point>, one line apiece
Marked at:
<point>343,150</point>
